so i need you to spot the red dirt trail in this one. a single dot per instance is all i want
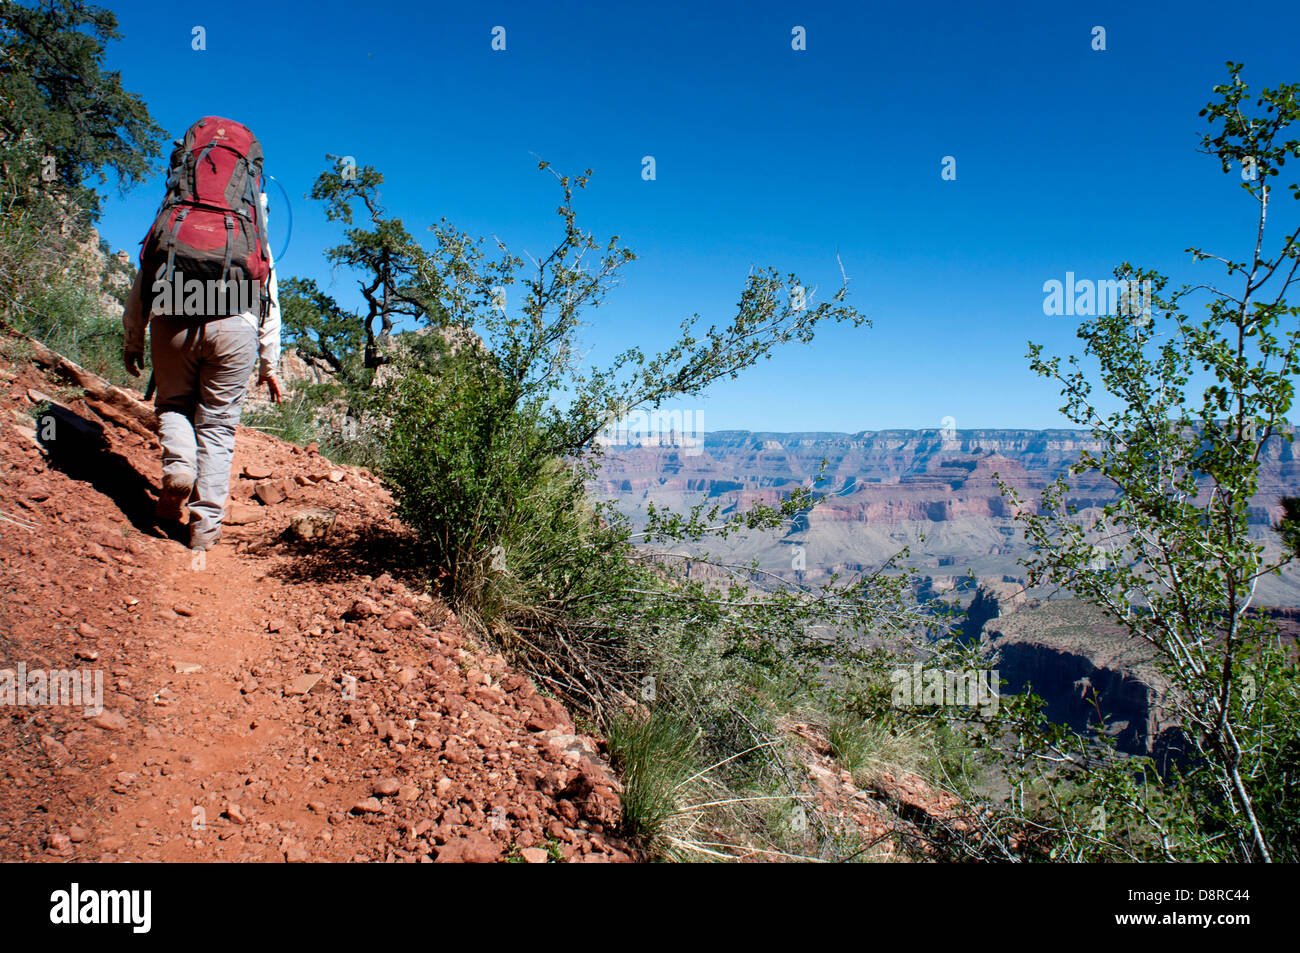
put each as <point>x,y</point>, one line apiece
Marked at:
<point>279,699</point>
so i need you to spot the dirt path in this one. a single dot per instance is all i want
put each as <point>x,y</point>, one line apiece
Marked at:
<point>269,702</point>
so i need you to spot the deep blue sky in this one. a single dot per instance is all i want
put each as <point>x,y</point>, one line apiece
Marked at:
<point>1068,159</point>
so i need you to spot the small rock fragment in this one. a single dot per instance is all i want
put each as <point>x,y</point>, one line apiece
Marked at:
<point>241,514</point>
<point>109,721</point>
<point>302,684</point>
<point>473,848</point>
<point>385,787</point>
<point>401,619</point>
<point>312,523</point>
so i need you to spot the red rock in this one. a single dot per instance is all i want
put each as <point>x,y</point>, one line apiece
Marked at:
<point>401,619</point>
<point>362,609</point>
<point>473,848</point>
<point>536,722</point>
<point>270,492</point>
<point>488,698</point>
<point>243,513</point>
<point>113,541</point>
<point>109,721</point>
<point>302,684</point>
<point>568,812</point>
<point>55,750</point>
<point>453,753</point>
<point>257,471</point>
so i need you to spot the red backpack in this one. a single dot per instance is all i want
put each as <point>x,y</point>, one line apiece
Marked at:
<point>210,225</point>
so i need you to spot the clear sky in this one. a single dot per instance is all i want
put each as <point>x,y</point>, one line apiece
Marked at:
<point>1067,159</point>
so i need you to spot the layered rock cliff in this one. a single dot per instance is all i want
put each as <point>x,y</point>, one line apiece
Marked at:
<point>1087,670</point>
<point>937,491</point>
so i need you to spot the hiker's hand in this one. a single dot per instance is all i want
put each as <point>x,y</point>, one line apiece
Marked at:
<point>133,361</point>
<point>273,385</point>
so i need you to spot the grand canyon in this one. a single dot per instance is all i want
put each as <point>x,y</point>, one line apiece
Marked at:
<point>937,493</point>
<point>933,490</point>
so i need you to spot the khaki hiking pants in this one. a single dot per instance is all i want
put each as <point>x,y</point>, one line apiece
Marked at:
<point>201,368</point>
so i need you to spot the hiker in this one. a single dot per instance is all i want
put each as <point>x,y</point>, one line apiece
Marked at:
<point>207,289</point>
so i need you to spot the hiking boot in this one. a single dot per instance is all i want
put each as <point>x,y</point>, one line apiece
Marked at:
<point>176,489</point>
<point>201,542</point>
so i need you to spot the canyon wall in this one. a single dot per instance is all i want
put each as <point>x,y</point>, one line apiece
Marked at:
<point>936,491</point>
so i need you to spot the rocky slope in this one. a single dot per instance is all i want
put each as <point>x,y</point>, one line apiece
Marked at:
<point>291,695</point>
<point>280,699</point>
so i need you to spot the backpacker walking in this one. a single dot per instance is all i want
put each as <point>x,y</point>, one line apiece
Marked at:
<point>207,290</point>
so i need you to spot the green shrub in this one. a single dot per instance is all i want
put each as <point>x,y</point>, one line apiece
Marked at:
<point>65,316</point>
<point>870,749</point>
<point>293,420</point>
<point>655,754</point>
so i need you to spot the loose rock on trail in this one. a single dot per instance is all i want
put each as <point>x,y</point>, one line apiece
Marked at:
<point>289,695</point>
